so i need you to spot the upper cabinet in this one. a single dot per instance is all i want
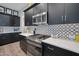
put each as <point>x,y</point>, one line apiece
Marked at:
<point>14,21</point>
<point>42,7</point>
<point>8,11</point>
<point>72,13</point>
<point>15,13</point>
<point>52,13</point>
<point>63,13</point>
<point>56,13</point>
<point>9,17</point>
<point>4,20</point>
<point>28,17</point>
<point>40,14</point>
<point>8,20</point>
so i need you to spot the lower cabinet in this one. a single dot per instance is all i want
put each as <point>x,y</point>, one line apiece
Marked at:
<point>50,50</point>
<point>35,51</point>
<point>28,47</point>
<point>8,38</point>
<point>23,44</point>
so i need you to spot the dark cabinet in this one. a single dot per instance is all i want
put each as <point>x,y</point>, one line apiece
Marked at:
<point>63,13</point>
<point>56,13</point>
<point>72,13</point>
<point>42,7</point>
<point>28,17</point>
<point>9,38</point>
<point>39,8</point>
<point>36,9</point>
<point>4,20</point>
<point>12,22</point>
<point>51,50</point>
<point>16,21</point>
<point>9,20</point>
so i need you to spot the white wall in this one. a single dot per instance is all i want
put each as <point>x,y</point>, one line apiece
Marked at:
<point>21,14</point>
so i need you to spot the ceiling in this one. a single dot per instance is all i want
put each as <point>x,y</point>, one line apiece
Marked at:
<point>14,6</point>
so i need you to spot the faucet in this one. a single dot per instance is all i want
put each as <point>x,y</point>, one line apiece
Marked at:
<point>34,31</point>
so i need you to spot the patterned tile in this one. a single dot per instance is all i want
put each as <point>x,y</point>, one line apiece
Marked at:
<point>61,30</point>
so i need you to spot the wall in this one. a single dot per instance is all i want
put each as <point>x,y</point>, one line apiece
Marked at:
<point>58,31</point>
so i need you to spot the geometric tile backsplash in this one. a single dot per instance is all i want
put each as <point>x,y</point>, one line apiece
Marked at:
<point>59,31</point>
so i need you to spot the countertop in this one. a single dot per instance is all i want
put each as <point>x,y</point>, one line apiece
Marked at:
<point>26,34</point>
<point>63,43</point>
<point>10,32</point>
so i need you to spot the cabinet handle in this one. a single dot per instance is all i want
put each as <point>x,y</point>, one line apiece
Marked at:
<point>62,18</point>
<point>50,48</point>
<point>65,18</point>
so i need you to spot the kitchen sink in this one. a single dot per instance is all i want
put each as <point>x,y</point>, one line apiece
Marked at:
<point>38,37</point>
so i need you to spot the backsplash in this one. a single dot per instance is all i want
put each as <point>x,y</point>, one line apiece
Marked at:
<point>59,31</point>
<point>9,29</point>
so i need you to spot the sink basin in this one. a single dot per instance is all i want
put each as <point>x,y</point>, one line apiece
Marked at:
<point>39,36</point>
<point>36,35</point>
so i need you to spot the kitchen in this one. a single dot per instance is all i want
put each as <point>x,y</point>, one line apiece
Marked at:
<point>41,29</point>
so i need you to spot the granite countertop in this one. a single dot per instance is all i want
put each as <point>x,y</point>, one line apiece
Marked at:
<point>63,43</point>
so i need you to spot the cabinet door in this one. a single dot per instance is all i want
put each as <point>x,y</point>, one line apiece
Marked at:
<point>14,21</point>
<point>42,7</point>
<point>4,20</point>
<point>55,13</point>
<point>28,17</point>
<point>72,12</point>
<point>37,9</point>
<point>17,21</point>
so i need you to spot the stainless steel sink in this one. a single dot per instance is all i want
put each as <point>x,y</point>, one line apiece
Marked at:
<point>38,37</point>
